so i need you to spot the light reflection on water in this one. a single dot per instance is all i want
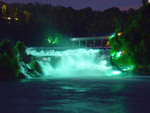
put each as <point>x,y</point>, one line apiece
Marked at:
<point>103,95</point>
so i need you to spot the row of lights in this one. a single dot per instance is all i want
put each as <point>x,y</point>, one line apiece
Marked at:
<point>9,18</point>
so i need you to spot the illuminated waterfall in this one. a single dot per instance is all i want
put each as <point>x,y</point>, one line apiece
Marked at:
<point>74,63</point>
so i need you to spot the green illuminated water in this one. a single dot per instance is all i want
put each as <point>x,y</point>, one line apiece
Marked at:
<point>74,62</point>
<point>119,94</point>
<point>76,81</point>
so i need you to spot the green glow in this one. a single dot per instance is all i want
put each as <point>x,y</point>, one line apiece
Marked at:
<point>52,41</point>
<point>49,39</point>
<point>55,41</point>
<point>77,89</point>
<point>75,63</point>
<point>118,54</point>
<point>124,64</point>
<point>124,69</point>
<point>113,54</point>
<point>129,68</point>
<point>112,36</point>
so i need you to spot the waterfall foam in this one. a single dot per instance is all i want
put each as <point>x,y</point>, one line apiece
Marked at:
<point>74,63</point>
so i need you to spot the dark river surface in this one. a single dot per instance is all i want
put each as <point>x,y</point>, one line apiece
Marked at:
<point>118,94</point>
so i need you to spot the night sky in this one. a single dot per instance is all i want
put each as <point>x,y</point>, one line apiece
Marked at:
<point>94,4</point>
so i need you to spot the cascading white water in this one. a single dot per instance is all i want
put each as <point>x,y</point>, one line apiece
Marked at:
<point>74,63</point>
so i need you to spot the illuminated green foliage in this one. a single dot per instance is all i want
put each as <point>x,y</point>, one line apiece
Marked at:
<point>130,50</point>
<point>112,36</point>
<point>20,47</point>
<point>10,58</point>
<point>49,39</point>
<point>54,39</point>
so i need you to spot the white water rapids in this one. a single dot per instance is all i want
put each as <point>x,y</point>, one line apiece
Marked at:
<point>74,62</point>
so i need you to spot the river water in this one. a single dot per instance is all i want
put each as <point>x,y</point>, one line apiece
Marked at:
<point>111,94</point>
<point>76,81</point>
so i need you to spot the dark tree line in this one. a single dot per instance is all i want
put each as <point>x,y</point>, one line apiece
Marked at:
<point>38,21</point>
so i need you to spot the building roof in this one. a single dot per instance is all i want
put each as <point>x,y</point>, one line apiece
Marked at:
<point>105,37</point>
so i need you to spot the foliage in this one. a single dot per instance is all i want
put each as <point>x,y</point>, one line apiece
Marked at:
<point>36,22</point>
<point>11,55</point>
<point>54,39</point>
<point>133,44</point>
<point>27,15</point>
<point>144,2</point>
<point>34,65</point>
<point>6,46</point>
<point>9,67</point>
<point>20,47</point>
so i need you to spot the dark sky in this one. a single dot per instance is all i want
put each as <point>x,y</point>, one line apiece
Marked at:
<point>94,4</point>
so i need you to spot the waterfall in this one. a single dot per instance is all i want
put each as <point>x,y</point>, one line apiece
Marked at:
<point>74,62</point>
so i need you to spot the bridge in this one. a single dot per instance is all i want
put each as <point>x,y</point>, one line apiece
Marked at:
<point>99,42</point>
<point>92,42</point>
<point>66,48</point>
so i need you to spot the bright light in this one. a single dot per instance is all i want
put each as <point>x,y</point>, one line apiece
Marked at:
<point>112,36</point>
<point>124,69</point>
<point>116,72</point>
<point>116,55</point>
<point>129,68</point>
<point>107,43</point>
<point>73,39</point>
<point>55,41</point>
<point>119,54</point>
<point>9,18</point>
<point>119,34</point>
<point>16,19</point>
<point>50,40</point>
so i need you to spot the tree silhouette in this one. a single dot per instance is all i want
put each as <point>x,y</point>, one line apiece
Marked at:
<point>144,2</point>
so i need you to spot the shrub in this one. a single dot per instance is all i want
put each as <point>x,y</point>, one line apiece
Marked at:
<point>9,67</point>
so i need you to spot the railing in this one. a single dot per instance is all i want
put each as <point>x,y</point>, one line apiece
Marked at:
<point>65,48</point>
